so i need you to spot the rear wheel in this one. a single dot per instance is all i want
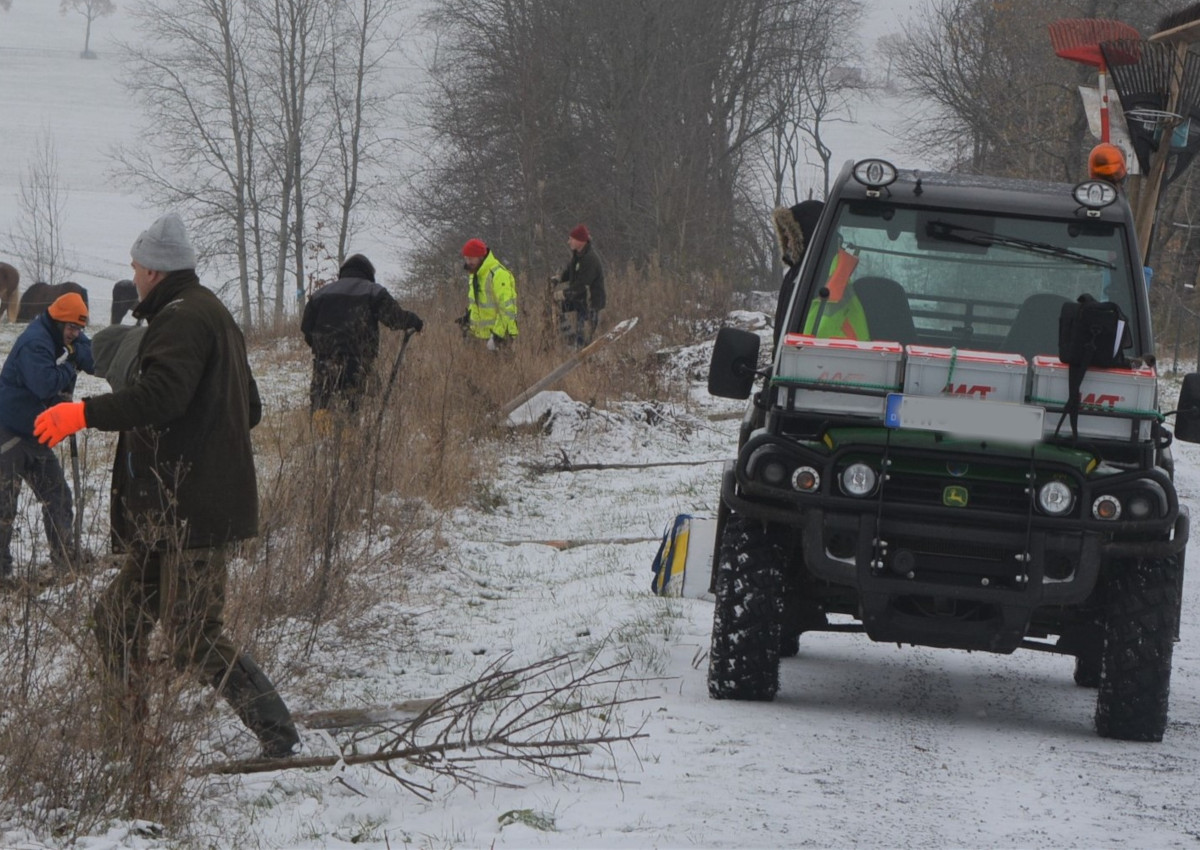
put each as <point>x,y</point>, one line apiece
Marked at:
<point>744,657</point>
<point>1139,638</point>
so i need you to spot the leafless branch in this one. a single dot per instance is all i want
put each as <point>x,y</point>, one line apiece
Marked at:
<point>546,716</point>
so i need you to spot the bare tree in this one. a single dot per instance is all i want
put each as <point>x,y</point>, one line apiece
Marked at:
<point>296,48</point>
<point>37,238</point>
<point>1006,104</point>
<point>245,104</point>
<point>808,86</point>
<point>190,69</point>
<point>358,102</point>
<point>91,10</point>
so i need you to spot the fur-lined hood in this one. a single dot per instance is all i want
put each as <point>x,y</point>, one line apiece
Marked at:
<point>793,227</point>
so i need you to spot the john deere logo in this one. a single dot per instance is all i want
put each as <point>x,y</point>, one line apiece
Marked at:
<point>954,496</point>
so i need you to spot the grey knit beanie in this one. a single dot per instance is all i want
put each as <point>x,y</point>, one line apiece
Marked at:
<point>164,246</point>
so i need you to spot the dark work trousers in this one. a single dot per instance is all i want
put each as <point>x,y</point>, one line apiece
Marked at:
<point>25,459</point>
<point>338,381</point>
<point>579,326</point>
<point>184,591</point>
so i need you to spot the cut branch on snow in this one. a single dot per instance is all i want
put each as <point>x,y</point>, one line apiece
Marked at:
<point>565,464</point>
<point>563,545</point>
<point>545,717</point>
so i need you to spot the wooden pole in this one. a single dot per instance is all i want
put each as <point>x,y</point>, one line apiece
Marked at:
<point>562,370</point>
<point>1181,38</point>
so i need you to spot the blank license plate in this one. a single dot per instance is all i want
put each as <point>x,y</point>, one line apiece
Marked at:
<point>985,420</point>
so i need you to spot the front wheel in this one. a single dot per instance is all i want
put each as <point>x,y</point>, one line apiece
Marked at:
<point>1087,670</point>
<point>744,658</point>
<point>1139,638</point>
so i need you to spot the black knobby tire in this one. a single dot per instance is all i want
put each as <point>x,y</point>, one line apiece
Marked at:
<point>744,658</point>
<point>1139,637</point>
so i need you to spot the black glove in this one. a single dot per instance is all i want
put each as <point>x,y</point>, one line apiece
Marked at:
<point>463,320</point>
<point>415,323</point>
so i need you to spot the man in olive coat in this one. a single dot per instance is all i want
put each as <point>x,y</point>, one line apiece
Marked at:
<point>183,485</point>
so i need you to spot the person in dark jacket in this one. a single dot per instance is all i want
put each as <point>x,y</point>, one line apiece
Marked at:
<point>183,486</point>
<point>341,325</point>
<point>580,289</point>
<point>794,228</point>
<point>40,371</point>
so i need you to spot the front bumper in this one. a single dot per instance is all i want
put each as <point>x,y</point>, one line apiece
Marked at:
<point>904,570</point>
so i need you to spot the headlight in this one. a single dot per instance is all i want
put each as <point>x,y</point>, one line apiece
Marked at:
<point>858,479</point>
<point>806,480</point>
<point>1106,508</point>
<point>1055,498</point>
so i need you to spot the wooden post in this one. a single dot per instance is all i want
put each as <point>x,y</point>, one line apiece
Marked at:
<point>568,366</point>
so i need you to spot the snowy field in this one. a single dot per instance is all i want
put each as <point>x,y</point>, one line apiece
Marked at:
<point>867,745</point>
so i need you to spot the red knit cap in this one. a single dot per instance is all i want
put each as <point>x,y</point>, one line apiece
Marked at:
<point>69,308</point>
<point>475,248</point>
<point>580,233</point>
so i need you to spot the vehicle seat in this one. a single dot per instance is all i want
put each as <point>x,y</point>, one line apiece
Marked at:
<point>885,305</point>
<point>1034,331</point>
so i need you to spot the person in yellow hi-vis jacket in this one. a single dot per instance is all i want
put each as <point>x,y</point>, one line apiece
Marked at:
<point>840,315</point>
<point>491,297</point>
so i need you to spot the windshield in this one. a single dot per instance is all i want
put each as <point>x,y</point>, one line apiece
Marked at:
<point>952,278</point>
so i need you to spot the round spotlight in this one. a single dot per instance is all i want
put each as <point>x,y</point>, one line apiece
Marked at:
<point>1106,508</point>
<point>1140,506</point>
<point>1055,498</point>
<point>774,473</point>
<point>858,479</point>
<point>806,480</point>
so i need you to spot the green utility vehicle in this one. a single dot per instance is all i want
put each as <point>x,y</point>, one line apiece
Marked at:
<point>919,465</point>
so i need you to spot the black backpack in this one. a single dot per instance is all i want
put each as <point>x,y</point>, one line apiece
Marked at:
<point>1091,334</point>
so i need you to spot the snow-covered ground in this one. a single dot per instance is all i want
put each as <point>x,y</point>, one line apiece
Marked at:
<point>867,745</point>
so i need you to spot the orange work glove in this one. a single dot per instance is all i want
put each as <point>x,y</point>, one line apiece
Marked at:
<point>55,424</point>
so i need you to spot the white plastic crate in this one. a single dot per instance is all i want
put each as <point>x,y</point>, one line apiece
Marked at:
<point>840,376</point>
<point>1114,391</point>
<point>983,375</point>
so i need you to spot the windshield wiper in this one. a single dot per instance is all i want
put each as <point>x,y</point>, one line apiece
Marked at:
<point>958,233</point>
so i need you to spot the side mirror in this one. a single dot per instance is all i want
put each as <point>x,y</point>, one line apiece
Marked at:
<point>1187,416</point>
<point>734,364</point>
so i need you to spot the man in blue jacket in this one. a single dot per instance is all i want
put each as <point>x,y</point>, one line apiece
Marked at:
<point>40,372</point>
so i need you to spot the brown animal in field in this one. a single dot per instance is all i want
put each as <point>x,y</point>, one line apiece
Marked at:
<point>10,293</point>
<point>41,295</point>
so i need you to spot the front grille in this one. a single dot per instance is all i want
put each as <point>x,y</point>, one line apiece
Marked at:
<point>912,489</point>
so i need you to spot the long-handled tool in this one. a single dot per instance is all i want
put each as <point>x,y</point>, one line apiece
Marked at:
<point>76,548</point>
<point>383,405</point>
<point>1078,39</point>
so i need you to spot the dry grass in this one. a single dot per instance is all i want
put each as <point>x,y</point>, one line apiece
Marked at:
<point>345,517</point>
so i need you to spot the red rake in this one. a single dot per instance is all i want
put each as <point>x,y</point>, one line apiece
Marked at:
<point>1079,39</point>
